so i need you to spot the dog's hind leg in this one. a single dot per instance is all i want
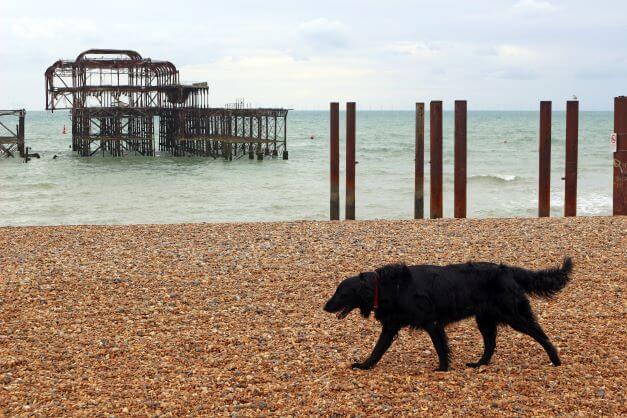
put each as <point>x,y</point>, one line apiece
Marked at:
<point>388,333</point>
<point>528,325</point>
<point>487,327</point>
<point>440,342</point>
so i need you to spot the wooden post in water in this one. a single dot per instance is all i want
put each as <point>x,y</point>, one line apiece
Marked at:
<point>544,195</point>
<point>619,203</point>
<point>570,176</point>
<point>350,160</point>
<point>435,144</point>
<point>419,169</point>
<point>335,161</point>
<point>460,158</point>
<point>20,133</point>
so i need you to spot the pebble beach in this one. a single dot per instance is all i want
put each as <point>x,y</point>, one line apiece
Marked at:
<point>227,320</point>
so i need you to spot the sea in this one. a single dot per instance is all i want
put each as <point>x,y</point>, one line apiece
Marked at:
<point>502,174</point>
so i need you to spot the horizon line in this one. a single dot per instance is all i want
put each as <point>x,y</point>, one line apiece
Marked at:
<point>291,109</point>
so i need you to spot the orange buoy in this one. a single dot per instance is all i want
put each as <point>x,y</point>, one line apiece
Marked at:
<point>64,131</point>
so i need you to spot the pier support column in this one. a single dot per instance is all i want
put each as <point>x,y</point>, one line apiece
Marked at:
<point>419,163</point>
<point>435,123</point>
<point>460,158</point>
<point>620,157</point>
<point>570,176</point>
<point>544,194</point>
<point>335,161</point>
<point>350,161</point>
<point>20,134</point>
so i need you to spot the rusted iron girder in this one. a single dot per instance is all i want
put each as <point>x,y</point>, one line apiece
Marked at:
<point>350,161</point>
<point>570,175</point>
<point>116,73</point>
<point>619,201</point>
<point>460,158</point>
<point>419,160</point>
<point>335,161</point>
<point>435,116</point>
<point>544,190</point>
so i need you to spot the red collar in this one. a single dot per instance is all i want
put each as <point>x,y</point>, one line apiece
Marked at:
<point>376,290</point>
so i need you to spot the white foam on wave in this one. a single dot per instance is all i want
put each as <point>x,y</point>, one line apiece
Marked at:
<point>495,177</point>
<point>594,204</point>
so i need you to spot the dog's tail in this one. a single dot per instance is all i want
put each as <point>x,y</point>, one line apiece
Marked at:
<point>544,283</point>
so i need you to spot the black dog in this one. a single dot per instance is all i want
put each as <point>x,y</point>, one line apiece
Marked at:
<point>431,297</point>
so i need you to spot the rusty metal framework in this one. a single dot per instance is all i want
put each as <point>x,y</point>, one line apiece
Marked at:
<point>12,136</point>
<point>116,96</point>
<point>224,132</point>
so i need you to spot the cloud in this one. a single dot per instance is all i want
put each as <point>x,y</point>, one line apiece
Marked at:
<point>276,66</point>
<point>515,62</point>
<point>44,29</point>
<point>270,78</point>
<point>325,33</point>
<point>517,74</point>
<point>533,7</point>
<point>516,55</point>
<point>614,69</point>
<point>420,50</point>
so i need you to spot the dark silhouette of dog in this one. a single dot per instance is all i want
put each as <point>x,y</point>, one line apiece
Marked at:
<point>431,297</point>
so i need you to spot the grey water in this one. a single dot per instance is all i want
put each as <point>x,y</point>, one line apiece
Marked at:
<point>502,174</point>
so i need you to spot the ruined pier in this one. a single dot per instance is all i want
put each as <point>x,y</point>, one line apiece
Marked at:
<point>12,133</point>
<point>120,101</point>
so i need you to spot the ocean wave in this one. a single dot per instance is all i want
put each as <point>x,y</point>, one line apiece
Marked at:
<point>495,178</point>
<point>39,186</point>
<point>594,204</point>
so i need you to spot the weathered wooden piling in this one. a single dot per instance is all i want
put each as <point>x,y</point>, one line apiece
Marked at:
<point>419,163</point>
<point>350,161</point>
<point>460,158</point>
<point>435,145</point>
<point>570,175</point>
<point>544,193</point>
<point>335,161</point>
<point>619,200</point>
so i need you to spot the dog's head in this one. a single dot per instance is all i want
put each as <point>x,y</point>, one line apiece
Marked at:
<point>354,292</point>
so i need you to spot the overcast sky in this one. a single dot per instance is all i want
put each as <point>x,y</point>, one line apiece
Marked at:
<point>505,54</point>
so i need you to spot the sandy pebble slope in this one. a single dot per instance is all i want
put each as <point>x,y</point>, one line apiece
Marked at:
<point>226,319</point>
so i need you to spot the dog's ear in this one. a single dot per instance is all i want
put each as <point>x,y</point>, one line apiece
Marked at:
<point>394,274</point>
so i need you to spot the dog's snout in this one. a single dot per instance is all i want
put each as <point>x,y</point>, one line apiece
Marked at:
<point>327,306</point>
<point>331,305</point>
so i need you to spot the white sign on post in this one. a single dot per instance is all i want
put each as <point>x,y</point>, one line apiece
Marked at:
<point>614,142</point>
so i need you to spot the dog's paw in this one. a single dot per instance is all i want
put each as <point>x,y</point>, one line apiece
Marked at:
<point>442,369</point>
<point>475,364</point>
<point>360,366</point>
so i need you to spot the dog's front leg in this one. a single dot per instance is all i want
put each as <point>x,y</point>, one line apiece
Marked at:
<point>388,334</point>
<point>440,341</point>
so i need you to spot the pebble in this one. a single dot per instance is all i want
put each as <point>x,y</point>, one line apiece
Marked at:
<point>126,318</point>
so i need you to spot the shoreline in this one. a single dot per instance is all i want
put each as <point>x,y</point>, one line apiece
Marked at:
<point>226,318</point>
<point>315,221</point>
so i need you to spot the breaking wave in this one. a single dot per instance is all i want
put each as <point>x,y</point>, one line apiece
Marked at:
<point>494,178</point>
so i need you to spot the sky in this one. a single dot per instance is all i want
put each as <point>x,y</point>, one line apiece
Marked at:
<point>498,55</point>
